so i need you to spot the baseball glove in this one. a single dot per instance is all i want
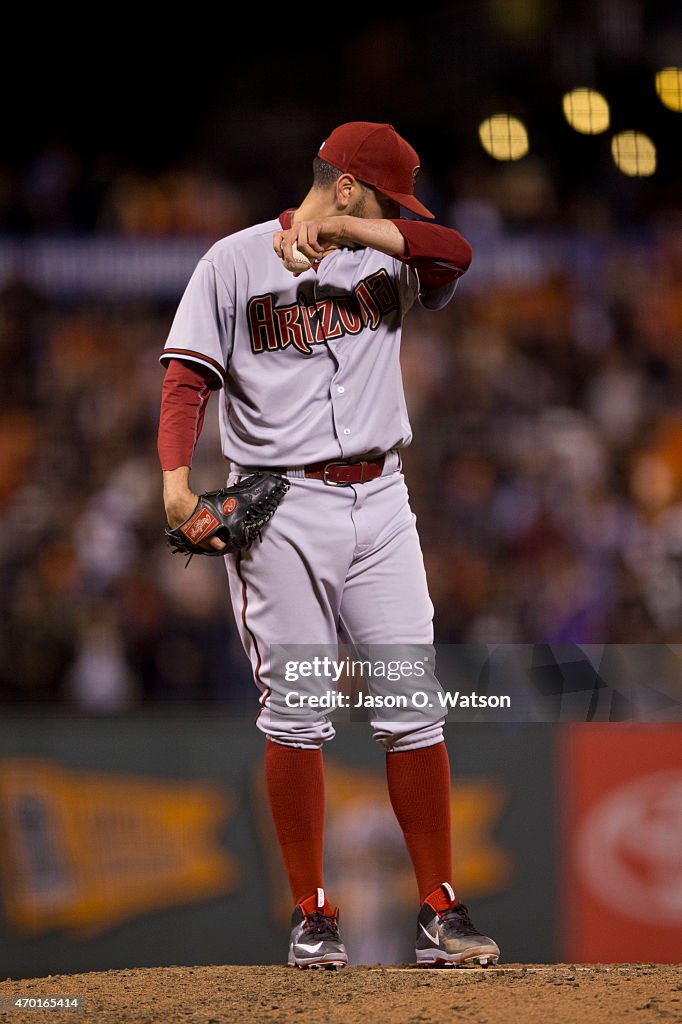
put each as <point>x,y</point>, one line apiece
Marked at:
<point>236,515</point>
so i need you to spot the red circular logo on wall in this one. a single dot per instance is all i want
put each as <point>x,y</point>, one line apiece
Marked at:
<point>629,848</point>
<point>229,505</point>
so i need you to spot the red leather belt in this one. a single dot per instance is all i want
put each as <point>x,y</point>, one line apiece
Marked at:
<point>343,474</point>
<point>340,473</point>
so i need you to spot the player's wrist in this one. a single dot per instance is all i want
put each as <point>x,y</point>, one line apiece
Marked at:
<point>175,481</point>
<point>178,509</point>
<point>341,229</point>
<point>333,231</point>
<point>178,497</point>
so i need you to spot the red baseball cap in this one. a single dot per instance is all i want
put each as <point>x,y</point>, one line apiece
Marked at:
<point>378,156</point>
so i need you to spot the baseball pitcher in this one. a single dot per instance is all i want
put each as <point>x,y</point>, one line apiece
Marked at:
<point>296,324</point>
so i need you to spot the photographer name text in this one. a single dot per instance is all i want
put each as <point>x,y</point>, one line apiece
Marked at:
<point>419,699</point>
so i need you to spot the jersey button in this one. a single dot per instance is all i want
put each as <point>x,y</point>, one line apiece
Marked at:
<point>346,431</point>
<point>340,390</point>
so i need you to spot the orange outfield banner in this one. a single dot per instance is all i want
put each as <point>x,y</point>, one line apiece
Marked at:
<point>84,851</point>
<point>620,880</point>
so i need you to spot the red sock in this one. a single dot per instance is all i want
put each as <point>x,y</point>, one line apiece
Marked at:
<point>442,898</point>
<point>295,782</point>
<point>317,903</point>
<point>419,788</point>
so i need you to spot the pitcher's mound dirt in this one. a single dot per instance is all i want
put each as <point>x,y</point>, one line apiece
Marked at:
<point>507,994</point>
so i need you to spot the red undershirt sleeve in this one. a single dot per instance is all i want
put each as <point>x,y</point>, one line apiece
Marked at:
<point>439,255</point>
<point>184,397</point>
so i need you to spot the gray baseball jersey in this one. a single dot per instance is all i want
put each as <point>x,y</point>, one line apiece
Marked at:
<point>311,362</point>
<point>310,372</point>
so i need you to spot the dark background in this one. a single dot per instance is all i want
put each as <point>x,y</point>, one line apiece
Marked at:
<point>545,470</point>
<point>251,96</point>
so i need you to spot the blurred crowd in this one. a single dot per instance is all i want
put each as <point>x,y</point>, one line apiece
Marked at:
<point>57,191</point>
<point>545,471</point>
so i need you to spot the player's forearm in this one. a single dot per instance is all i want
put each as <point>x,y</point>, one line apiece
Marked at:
<point>178,497</point>
<point>382,235</point>
<point>175,482</point>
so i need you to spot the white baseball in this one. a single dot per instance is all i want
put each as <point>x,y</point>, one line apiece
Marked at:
<point>300,259</point>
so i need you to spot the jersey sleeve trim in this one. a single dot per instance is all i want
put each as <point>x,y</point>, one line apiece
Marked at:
<point>188,355</point>
<point>439,254</point>
<point>436,297</point>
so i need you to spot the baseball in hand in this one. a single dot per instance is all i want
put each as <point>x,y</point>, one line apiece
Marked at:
<point>301,260</point>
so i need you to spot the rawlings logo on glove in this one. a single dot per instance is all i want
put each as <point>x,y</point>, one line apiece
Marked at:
<point>235,515</point>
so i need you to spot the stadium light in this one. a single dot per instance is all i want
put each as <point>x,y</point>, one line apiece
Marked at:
<point>587,111</point>
<point>669,87</point>
<point>504,137</point>
<point>634,154</point>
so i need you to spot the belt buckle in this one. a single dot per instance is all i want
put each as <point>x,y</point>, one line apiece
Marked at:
<point>334,483</point>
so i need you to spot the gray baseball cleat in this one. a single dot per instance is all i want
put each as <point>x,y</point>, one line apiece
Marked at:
<point>315,940</point>
<point>447,937</point>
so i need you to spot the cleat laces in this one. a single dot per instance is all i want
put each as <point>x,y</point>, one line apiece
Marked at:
<point>458,919</point>
<point>321,927</point>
